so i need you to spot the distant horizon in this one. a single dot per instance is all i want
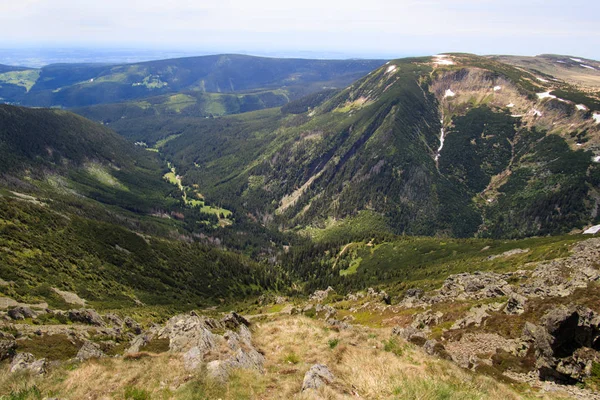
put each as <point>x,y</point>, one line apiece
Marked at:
<point>39,56</point>
<point>331,28</point>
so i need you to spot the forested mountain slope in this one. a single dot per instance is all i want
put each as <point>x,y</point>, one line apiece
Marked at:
<point>518,155</point>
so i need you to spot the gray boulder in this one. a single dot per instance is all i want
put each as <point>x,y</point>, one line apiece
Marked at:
<point>318,375</point>
<point>89,350</point>
<point>133,325</point>
<point>27,362</point>
<point>20,312</point>
<point>86,316</point>
<point>233,321</point>
<point>515,304</point>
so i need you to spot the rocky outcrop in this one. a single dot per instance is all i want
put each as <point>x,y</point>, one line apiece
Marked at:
<point>318,375</point>
<point>476,315</point>
<point>89,350</point>
<point>566,344</point>
<point>86,316</point>
<point>515,304</point>
<point>320,295</point>
<point>186,332</point>
<point>427,319</point>
<point>27,362</point>
<point>561,277</point>
<point>479,285</point>
<point>193,336</point>
<point>21,312</point>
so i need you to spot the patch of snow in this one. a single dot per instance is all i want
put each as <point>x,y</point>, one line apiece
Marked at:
<point>592,230</point>
<point>516,115</point>
<point>579,144</point>
<point>442,138</point>
<point>542,79</point>
<point>596,159</point>
<point>496,88</point>
<point>510,105</point>
<point>546,95</point>
<point>577,59</point>
<point>596,117</point>
<point>581,107</point>
<point>561,62</point>
<point>390,69</point>
<point>535,113</point>
<point>587,66</point>
<point>449,93</point>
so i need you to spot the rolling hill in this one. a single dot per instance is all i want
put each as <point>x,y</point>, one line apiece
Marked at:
<point>79,85</point>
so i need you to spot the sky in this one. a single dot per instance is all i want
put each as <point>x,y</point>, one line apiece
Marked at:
<point>338,28</point>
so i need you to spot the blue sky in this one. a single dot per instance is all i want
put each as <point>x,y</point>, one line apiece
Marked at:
<point>367,28</point>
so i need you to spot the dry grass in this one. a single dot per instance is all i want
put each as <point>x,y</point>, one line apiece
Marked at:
<point>359,361</point>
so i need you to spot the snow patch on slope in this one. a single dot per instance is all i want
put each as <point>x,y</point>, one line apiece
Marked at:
<point>587,66</point>
<point>596,117</point>
<point>391,69</point>
<point>545,95</point>
<point>577,59</point>
<point>496,88</point>
<point>581,107</point>
<point>449,93</point>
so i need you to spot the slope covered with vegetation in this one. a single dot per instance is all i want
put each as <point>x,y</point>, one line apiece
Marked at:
<point>79,85</point>
<point>377,146</point>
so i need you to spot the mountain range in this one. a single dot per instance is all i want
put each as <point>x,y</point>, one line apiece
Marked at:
<point>446,196</point>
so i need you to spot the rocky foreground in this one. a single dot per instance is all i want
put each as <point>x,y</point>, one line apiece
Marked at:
<point>536,330</point>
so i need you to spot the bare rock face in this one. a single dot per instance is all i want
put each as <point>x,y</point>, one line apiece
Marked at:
<point>89,350</point>
<point>566,344</point>
<point>27,362</point>
<point>318,375</point>
<point>86,316</point>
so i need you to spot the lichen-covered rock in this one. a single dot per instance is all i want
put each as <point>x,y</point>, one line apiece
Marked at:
<point>317,376</point>
<point>515,304</point>
<point>186,331</point>
<point>476,315</point>
<point>89,350</point>
<point>27,362</point>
